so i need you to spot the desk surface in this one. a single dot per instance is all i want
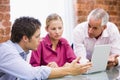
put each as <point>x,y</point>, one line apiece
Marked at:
<point>112,74</point>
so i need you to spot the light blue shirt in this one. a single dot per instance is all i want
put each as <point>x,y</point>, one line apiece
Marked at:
<point>12,65</point>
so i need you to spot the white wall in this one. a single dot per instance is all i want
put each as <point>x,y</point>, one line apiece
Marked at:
<point>40,9</point>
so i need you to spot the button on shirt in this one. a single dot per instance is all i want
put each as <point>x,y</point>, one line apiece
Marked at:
<point>83,44</point>
<point>13,65</point>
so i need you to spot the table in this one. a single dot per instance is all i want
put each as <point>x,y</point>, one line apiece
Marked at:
<point>112,74</point>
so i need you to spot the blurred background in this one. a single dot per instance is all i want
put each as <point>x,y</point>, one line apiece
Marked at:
<point>71,11</point>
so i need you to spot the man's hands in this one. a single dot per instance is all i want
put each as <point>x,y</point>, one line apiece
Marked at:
<point>112,61</point>
<point>75,68</point>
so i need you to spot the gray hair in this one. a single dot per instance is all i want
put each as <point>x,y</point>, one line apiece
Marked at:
<point>99,14</point>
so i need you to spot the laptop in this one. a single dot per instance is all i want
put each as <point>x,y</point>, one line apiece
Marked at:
<point>99,58</point>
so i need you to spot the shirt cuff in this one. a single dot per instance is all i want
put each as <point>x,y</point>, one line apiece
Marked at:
<point>43,72</point>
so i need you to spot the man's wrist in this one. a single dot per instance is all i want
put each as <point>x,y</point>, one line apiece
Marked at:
<point>68,71</point>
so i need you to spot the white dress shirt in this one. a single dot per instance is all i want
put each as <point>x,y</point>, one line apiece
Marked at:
<point>83,44</point>
<point>13,65</point>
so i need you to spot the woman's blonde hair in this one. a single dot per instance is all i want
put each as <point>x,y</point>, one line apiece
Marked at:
<point>52,17</point>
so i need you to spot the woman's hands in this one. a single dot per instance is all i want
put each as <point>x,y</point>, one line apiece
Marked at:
<point>52,65</point>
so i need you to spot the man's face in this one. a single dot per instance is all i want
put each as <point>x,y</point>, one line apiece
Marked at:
<point>33,43</point>
<point>94,28</point>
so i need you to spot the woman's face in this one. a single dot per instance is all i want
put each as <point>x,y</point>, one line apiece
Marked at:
<point>55,29</point>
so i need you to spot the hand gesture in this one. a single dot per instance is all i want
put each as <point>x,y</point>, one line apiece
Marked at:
<point>77,68</point>
<point>112,61</point>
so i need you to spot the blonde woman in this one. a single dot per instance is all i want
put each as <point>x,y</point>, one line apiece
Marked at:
<point>53,50</point>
